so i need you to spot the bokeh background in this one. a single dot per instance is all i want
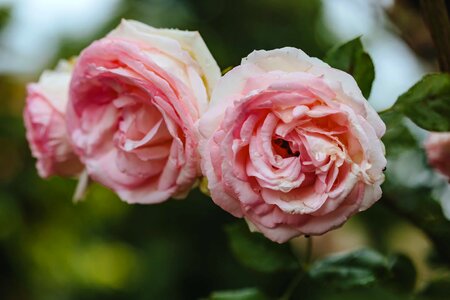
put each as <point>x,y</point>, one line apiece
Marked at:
<point>102,248</point>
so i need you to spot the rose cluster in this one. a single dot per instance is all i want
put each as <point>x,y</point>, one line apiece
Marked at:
<point>283,140</point>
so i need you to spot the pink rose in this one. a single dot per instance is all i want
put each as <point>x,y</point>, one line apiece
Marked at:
<point>45,122</point>
<point>291,145</point>
<point>437,147</point>
<point>135,97</point>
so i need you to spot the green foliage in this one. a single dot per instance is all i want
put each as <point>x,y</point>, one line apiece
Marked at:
<point>243,294</point>
<point>351,58</point>
<point>427,103</point>
<point>359,268</point>
<point>364,268</point>
<point>257,252</point>
<point>342,272</point>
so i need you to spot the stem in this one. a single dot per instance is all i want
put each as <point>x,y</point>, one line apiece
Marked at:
<point>437,20</point>
<point>298,278</point>
<point>387,111</point>
<point>309,250</point>
<point>292,286</point>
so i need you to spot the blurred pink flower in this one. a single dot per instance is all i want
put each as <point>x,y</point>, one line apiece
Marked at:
<point>45,122</point>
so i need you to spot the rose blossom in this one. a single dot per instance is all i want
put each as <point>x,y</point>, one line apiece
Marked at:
<point>44,116</point>
<point>291,145</point>
<point>437,147</point>
<point>134,100</point>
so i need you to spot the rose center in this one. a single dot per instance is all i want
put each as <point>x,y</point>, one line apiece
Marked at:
<point>283,148</point>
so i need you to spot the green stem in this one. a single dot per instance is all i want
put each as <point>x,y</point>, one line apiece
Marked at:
<point>292,286</point>
<point>437,20</point>
<point>388,111</point>
<point>298,278</point>
<point>308,252</point>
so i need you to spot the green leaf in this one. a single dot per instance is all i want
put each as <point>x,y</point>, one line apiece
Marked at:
<point>359,268</point>
<point>403,273</point>
<point>427,103</point>
<point>351,58</point>
<point>257,252</point>
<point>243,294</point>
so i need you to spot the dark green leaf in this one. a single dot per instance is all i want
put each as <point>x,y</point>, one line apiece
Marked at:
<point>243,294</point>
<point>359,268</point>
<point>257,252</point>
<point>403,273</point>
<point>351,58</point>
<point>427,103</point>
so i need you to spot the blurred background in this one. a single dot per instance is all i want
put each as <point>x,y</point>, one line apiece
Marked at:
<point>102,248</point>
